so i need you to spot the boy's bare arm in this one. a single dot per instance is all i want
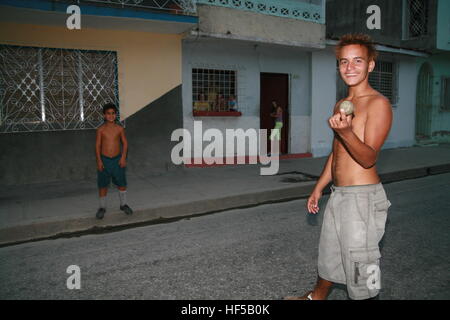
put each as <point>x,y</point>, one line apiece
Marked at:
<point>123,138</point>
<point>312,205</point>
<point>326,176</point>
<point>98,148</point>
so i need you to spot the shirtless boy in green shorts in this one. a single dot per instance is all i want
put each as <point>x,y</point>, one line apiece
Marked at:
<point>111,162</point>
<point>356,212</point>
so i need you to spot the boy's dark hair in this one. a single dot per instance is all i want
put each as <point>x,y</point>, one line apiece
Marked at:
<point>108,106</point>
<point>358,38</point>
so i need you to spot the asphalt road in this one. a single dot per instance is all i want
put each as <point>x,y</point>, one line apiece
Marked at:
<point>264,252</point>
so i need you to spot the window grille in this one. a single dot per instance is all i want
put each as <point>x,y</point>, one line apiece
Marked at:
<point>174,6</point>
<point>214,90</point>
<point>46,89</point>
<point>445,105</point>
<point>416,18</point>
<point>309,10</point>
<point>383,79</point>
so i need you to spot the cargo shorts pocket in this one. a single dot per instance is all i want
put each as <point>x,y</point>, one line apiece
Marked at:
<point>380,215</point>
<point>365,267</point>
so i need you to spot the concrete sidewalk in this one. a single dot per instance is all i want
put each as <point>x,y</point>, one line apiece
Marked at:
<point>42,211</point>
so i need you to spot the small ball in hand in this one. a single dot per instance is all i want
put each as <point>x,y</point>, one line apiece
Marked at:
<point>347,106</point>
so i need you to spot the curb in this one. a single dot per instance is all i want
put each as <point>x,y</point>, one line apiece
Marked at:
<point>118,220</point>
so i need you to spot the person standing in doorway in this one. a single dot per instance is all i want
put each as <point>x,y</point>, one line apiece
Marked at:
<point>278,115</point>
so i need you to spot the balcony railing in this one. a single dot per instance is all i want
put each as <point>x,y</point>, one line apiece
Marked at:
<point>186,7</point>
<point>309,10</point>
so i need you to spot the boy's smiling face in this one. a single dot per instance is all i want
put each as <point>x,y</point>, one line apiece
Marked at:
<point>110,115</point>
<point>354,64</point>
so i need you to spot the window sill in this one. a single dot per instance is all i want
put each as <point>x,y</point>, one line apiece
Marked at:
<point>217,113</point>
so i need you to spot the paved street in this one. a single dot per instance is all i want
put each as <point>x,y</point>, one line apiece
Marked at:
<point>265,252</point>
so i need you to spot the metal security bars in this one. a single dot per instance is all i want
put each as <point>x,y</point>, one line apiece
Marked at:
<point>214,90</point>
<point>383,79</point>
<point>415,18</point>
<point>309,10</point>
<point>44,89</point>
<point>170,6</point>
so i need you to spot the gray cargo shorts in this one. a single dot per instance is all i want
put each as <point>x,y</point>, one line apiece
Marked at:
<point>353,225</point>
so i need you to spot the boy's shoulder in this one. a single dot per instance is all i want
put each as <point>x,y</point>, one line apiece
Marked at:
<point>377,100</point>
<point>101,127</point>
<point>119,126</point>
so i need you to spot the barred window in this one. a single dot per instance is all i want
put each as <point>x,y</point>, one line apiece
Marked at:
<point>46,89</point>
<point>416,18</point>
<point>214,90</point>
<point>445,105</point>
<point>383,79</point>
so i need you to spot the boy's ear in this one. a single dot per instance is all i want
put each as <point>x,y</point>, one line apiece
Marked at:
<point>371,65</point>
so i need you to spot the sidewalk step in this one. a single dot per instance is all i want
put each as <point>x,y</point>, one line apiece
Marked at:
<point>292,190</point>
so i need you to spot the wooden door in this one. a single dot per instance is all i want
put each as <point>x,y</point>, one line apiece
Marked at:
<point>275,86</point>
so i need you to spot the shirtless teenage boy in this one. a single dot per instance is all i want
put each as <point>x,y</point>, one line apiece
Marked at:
<point>356,212</point>
<point>111,162</point>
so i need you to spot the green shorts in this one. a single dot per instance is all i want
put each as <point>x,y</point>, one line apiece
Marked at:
<point>112,171</point>
<point>353,225</point>
<point>276,131</point>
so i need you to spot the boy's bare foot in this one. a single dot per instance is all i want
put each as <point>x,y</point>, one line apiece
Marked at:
<point>100,213</point>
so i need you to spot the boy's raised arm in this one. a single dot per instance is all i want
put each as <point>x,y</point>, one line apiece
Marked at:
<point>379,120</point>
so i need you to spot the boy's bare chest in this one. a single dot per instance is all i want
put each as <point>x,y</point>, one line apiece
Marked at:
<point>110,134</point>
<point>359,122</point>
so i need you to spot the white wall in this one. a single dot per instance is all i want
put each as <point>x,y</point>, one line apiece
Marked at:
<point>323,95</point>
<point>249,61</point>
<point>403,126</point>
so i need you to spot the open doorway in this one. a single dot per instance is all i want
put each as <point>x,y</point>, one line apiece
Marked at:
<point>424,105</point>
<point>275,86</point>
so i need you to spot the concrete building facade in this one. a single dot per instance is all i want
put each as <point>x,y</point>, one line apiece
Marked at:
<point>144,46</point>
<point>253,45</point>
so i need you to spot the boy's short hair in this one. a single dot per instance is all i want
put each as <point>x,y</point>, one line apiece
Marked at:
<point>357,38</point>
<point>108,106</point>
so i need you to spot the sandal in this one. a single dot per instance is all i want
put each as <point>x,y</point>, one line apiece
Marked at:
<point>307,296</point>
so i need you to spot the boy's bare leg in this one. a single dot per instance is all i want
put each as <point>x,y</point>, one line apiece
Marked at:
<point>322,289</point>
<point>102,192</point>
<point>320,292</point>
